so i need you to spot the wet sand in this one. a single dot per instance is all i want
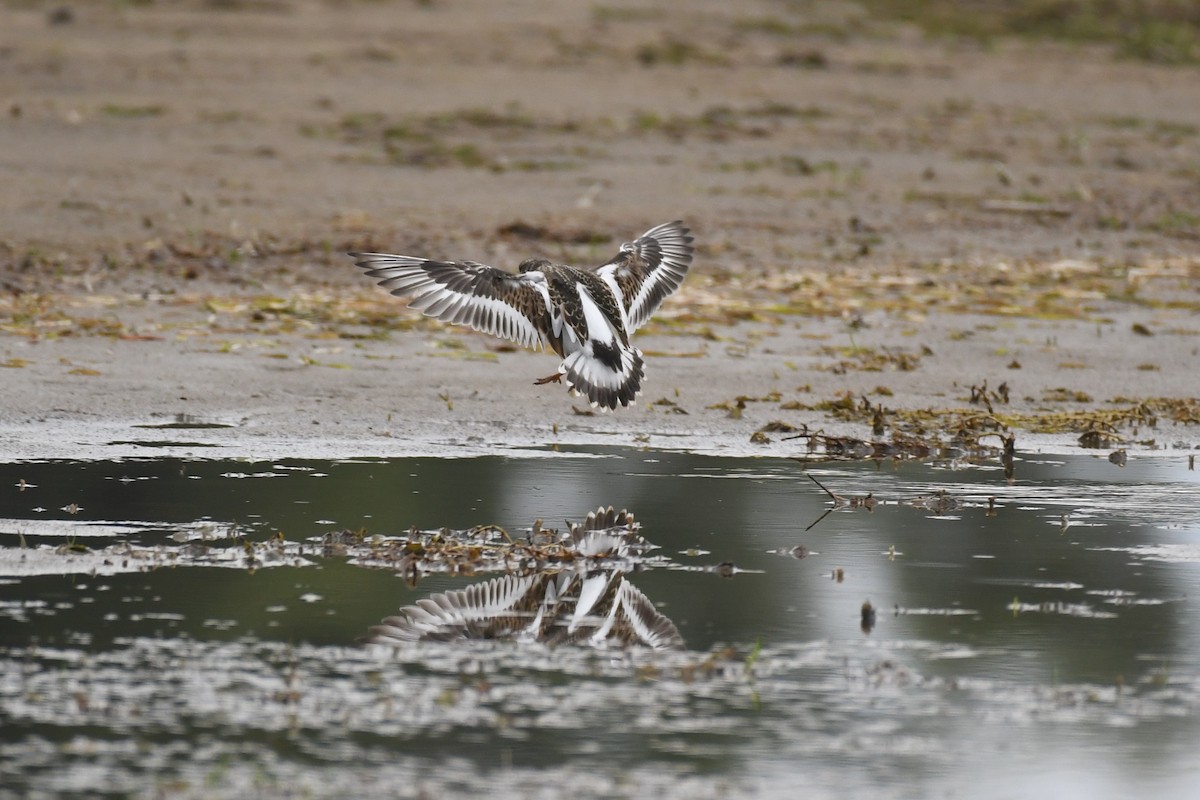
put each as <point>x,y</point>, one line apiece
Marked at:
<point>877,216</point>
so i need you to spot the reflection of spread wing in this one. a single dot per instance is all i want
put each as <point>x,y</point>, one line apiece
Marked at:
<point>595,608</point>
<point>581,606</point>
<point>490,300</point>
<point>488,610</point>
<point>649,268</point>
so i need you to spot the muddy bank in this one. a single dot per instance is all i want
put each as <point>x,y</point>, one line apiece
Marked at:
<point>209,393</point>
<point>885,222</point>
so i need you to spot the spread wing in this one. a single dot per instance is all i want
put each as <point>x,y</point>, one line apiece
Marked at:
<point>515,307</point>
<point>648,269</point>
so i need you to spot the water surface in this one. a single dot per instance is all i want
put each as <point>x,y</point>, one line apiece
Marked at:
<point>1032,635</point>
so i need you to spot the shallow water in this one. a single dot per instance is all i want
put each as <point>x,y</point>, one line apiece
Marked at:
<point>1029,636</point>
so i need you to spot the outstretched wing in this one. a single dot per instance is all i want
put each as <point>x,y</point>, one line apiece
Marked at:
<point>648,269</point>
<point>515,307</point>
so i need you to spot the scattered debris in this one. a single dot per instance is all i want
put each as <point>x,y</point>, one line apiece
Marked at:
<point>1026,207</point>
<point>939,503</point>
<point>965,447</point>
<point>868,617</point>
<point>775,426</point>
<point>1096,439</point>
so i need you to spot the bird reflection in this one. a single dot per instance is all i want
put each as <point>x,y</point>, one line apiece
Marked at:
<point>591,607</point>
<point>585,599</point>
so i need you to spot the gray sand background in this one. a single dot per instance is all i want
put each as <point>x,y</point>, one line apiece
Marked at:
<point>878,214</point>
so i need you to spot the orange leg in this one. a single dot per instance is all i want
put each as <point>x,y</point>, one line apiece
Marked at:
<point>555,378</point>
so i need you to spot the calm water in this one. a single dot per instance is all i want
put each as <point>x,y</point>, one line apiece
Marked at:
<point>1036,637</point>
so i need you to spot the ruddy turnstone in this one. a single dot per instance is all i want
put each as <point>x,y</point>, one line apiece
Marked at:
<point>585,314</point>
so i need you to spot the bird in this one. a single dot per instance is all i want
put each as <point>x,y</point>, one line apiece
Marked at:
<point>584,314</point>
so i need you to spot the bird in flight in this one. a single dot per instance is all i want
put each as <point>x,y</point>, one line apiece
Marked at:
<point>585,314</point>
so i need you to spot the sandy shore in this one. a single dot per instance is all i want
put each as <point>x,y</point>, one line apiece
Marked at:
<point>441,392</point>
<point>879,218</point>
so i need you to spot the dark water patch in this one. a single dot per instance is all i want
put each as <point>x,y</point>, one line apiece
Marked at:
<point>186,425</point>
<point>1046,619</point>
<point>158,443</point>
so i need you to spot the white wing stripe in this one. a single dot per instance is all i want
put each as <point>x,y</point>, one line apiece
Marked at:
<point>598,326</point>
<point>407,276</point>
<point>610,280</point>
<point>669,275</point>
<point>498,318</point>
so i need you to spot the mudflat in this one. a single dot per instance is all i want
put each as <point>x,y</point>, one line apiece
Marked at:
<point>897,236</point>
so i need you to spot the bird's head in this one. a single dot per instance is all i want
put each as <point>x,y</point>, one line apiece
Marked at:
<point>533,265</point>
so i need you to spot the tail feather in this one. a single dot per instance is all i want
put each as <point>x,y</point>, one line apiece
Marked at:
<point>605,384</point>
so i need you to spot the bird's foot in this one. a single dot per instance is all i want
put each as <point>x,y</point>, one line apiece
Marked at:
<point>555,378</point>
